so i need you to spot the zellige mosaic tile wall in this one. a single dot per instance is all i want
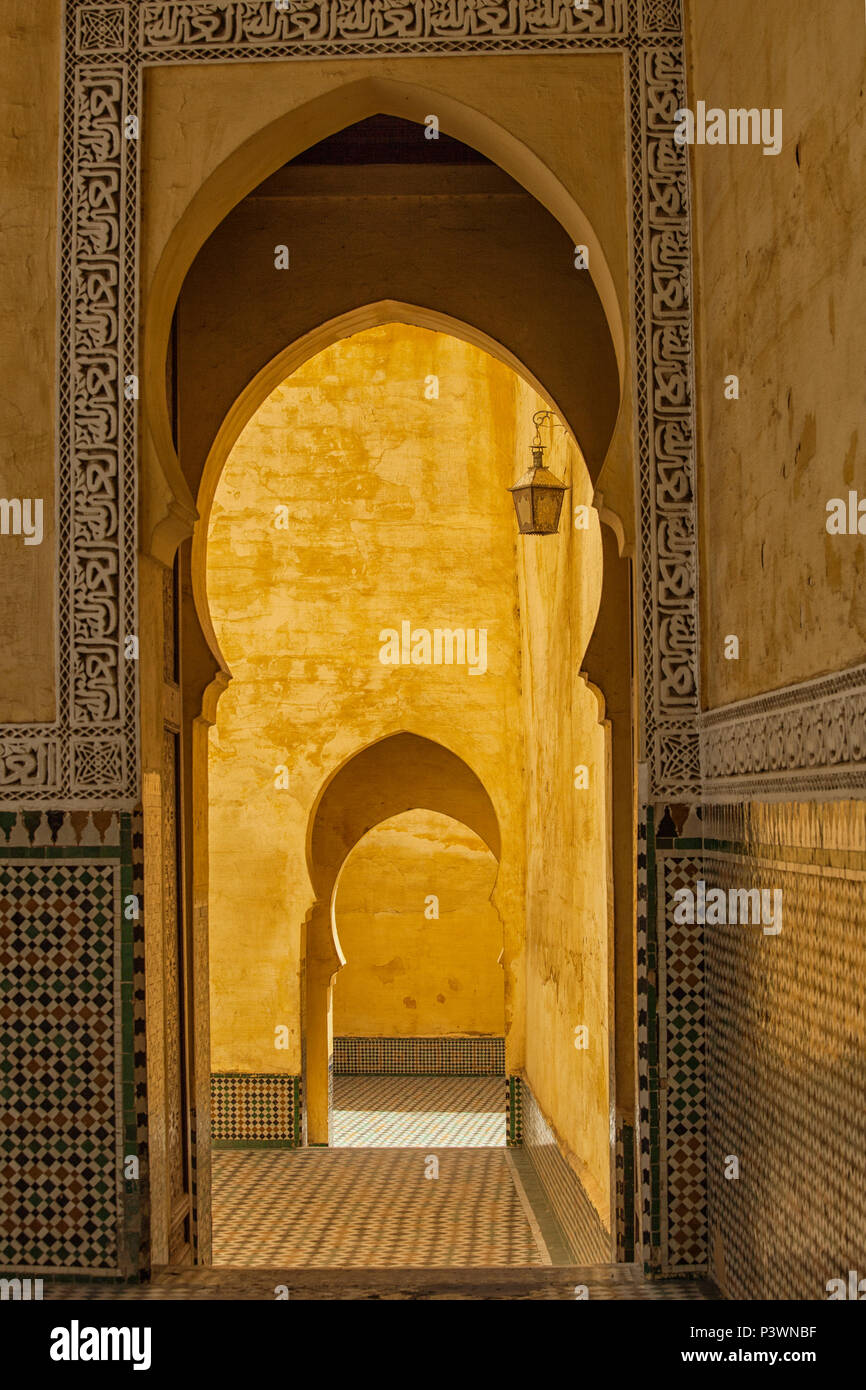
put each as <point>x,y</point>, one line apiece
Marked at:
<point>255,1110</point>
<point>786,1052</point>
<point>68,1077</point>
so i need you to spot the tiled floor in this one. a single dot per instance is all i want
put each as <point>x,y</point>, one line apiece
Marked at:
<point>371,1200</point>
<point>371,1208</point>
<point>419,1111</point>
<point>618,1283</point>
<point>368,1222</point>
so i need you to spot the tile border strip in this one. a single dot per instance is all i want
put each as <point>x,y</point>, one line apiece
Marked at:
<point>683,1186</point>
<point>589,1240</point>
<point>430,1056</point>
<point>513,1113</point>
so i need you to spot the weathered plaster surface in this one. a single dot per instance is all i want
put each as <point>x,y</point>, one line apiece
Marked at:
<point>781,295</point>
<point>568,890</point>
<point>398,511</point>
<point>409,974</point>
<point>29,126</point>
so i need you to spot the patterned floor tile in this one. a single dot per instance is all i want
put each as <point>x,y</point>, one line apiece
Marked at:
<point>369,1208</point>
<point>419,1111</point>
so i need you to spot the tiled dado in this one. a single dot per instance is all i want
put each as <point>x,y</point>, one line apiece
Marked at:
<point>419,1056</point>
<point>590,1242</point>
<point>786,1052</point>
<point>681,1073</point>
<point>513,1112</point>
<point>70,976</point>
<point>671,1183</point>
<point>256,1110</point>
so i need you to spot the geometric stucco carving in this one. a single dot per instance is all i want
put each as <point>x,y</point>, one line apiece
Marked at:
<point>89,756</point>
<point>803,742</point>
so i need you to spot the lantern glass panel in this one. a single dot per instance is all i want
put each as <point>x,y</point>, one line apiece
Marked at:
<point>548,505</point>
<point>523,507</point>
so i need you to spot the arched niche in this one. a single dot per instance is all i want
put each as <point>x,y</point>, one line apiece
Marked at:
<point>400,772</point>
<point>423,940</point>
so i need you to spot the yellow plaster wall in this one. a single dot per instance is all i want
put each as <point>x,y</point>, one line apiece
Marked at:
<point>568,897</point>
<point>408,974</point>
<point>29,107</point>
<point>782,304</point>
<point>398,510</point>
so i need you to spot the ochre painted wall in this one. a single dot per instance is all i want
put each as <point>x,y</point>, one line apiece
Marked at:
<point>407,973</point>
<point>781,291</point>
<point>568,897</point>
<point>399,510</point>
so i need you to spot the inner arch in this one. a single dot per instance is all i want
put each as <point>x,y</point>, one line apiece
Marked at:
<point>292,357</point>
<point>402,772</point>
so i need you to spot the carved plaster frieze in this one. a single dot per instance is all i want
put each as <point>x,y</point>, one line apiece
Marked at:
<point>800,743</point>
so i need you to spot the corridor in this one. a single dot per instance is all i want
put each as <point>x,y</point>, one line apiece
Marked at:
<point>418,1176</point>
<point>433,660</point>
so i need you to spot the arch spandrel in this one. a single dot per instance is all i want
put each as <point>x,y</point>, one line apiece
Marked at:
<point>290,135</point>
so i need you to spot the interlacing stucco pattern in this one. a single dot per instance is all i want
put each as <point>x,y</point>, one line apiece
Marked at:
<point>89,756</point>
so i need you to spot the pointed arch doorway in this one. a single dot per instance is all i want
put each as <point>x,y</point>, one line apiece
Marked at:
<point>194,571</point>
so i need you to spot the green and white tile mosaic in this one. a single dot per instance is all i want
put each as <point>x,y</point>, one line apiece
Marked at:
<point>68,1089</point>
<point>419,1056</point>
<point>256,1108</point>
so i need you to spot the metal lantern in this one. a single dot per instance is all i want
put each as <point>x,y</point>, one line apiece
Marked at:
<point>538,494</point>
